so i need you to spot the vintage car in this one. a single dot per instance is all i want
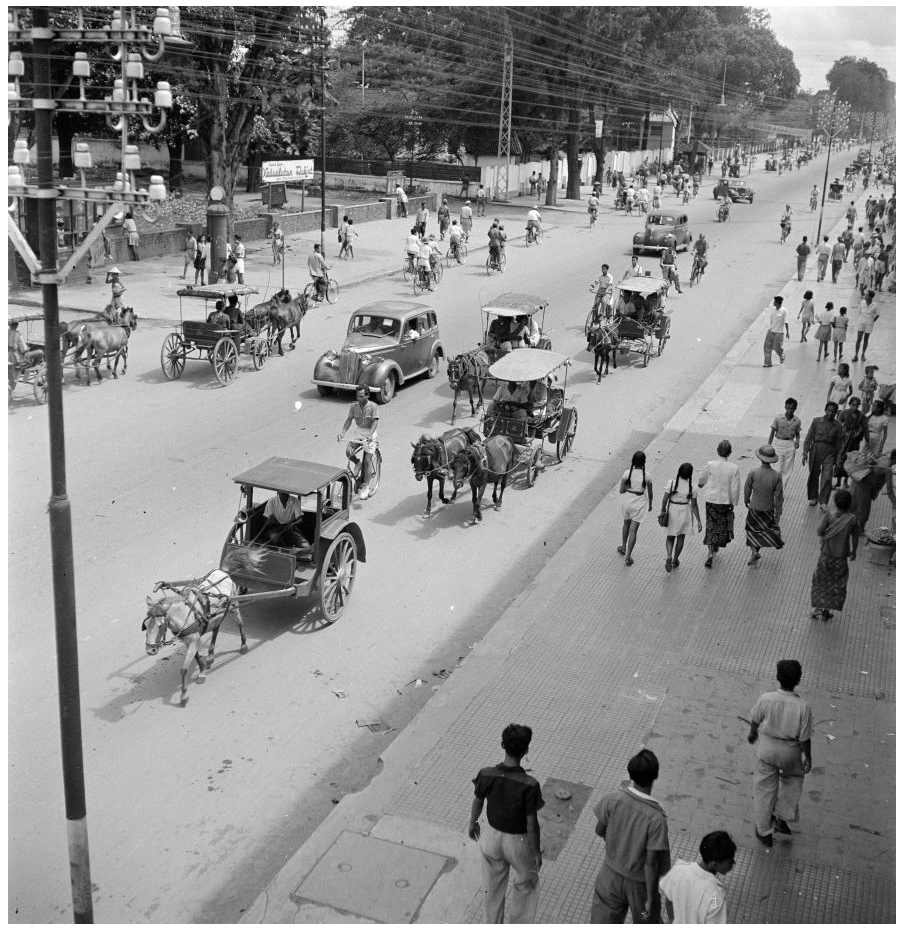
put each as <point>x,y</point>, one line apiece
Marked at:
<point>661,224</point>
<point>737,191</point>
<point>382,350</point>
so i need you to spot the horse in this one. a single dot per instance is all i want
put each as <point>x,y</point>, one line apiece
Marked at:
<point>101,341</point>
<point>468,372</point>
<point>69,333</point>
<point>432,457</point>
<point>493,459</point>
<point>195,609</point>
<point>283,313</point>
<point>603,341</point>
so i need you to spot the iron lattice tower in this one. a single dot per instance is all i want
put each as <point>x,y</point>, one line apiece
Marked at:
<point>504,146</point>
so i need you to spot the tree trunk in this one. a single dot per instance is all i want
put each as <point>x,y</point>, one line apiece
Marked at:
<point>599,146</point>
<point>176,179</point>
<point>553,180</point>
<point>573,155</point>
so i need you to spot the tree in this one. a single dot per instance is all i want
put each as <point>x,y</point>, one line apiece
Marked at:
<point>863,83</point>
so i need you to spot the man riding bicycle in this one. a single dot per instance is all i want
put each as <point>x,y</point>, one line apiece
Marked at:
<point>785,223</point>
<point>365,415</point>
<point>455,241</point>
<point>700,254</point>
<point>317,269</point>
<point>533,225</point>
<point>668,264</point>
<point>593,206</point>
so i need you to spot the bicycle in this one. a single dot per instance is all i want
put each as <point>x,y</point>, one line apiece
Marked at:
<point>355,460</point>
<point>426,280</point>
<point>408,267</point>
<point>496,263</point>
<point>784,230</point>
<point>315,291</point>
<point>593,218</point>
<point>813,203</point>
<point>533,235</point>
<point>697,270</point>
<point>451,256</point>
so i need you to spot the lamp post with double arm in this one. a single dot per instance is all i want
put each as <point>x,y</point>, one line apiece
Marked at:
<point>832,120</point>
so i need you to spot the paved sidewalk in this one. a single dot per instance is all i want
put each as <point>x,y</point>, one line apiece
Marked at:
<point>600,659</point>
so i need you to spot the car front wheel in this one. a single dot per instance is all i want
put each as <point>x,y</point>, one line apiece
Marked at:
<point>387,390</point>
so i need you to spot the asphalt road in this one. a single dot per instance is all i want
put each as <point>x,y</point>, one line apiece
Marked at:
<point>191,810</point>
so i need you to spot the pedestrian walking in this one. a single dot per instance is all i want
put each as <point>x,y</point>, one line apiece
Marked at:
<point>635,485</point>
<point>634,826</point>
<point>877,428</point>
<point>131,231</point>
<point>854,432</point>
<point>840,387</point>
<point>680,510</point>
<point>778,325</point>
<point>865,272</point>
<point>866,486</point>
<point>824,320</point>
<point>421,219</point>
<point>277,243</point>
<point>721,483</point>
<point>764,500</point>
<point>858,241</point>
<point>202,257</point>
<point>868,387</point>
<point>824,251</point>
<point>837,257</point>
<point>402,202</point>
<point>881,267</point>
<point>349,234</point>
<point>466,220</point>
<point>340,233</point>
<point>820,452</point>
<point>848,237</point>
<point>692,890</point>
<point>868,315</point>
<point>851,214</point>
<point>840,330</point>
<point>481,199</point>
<point>838,535</point>
<point>443,218</point>
<point>781,734</point>
<point>803,251</point>
<point>806,315</point>
<point>511,837</point>
<point>191,247</point>
<point>463,190</point>
<point>532,184</point>
<point>785,436</point>
<point>239,256</point>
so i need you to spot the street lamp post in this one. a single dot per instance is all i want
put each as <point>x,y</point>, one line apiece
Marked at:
<point>833,119</point>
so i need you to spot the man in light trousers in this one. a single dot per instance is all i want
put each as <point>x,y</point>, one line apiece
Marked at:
<point>785,437</point>
<point>778,326</point>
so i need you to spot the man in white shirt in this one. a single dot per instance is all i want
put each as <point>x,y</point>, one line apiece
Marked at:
<point>511,401</point>
<point>365,415</point>
<point>280,513</point>
<point>465,219</point>
<point>412,243</point>
<point>823,257</point>
<point>402,202</point>
<point>239,253</point>
<point>692,892</point>
<point>634,270</point>
<point>318,268</point>
<point>779,324</point>
<point>534,219</point>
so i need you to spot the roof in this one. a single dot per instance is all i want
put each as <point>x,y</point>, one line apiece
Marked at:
<point>521,365</point>
<point>298,477</point>
<point>392,308</point>
<point>513,304</point>
<point>216,292</point>
<point>645,286</point>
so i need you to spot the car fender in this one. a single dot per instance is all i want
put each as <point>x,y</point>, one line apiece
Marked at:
<point>323,371</point>
<point>438,349</point>
<point>637,239</point>
<point>376,372</point>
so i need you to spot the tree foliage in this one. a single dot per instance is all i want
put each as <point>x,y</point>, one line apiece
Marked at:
<point>863,83</point>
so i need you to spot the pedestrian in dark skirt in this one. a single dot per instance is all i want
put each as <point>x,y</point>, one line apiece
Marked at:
<point>763,496</point>
<point>838,534</point>
<point>721,483</point>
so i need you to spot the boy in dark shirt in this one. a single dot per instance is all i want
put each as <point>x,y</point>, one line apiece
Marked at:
<point>511,837</point>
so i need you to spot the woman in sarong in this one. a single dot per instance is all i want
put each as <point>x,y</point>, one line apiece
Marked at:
<point>838,533</point>
<point>764,498</point>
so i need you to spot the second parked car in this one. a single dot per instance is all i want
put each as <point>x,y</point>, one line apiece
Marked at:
<point>737,190</point>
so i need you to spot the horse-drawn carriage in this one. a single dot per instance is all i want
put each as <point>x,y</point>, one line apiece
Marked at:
<point>220,345</point>
<point>640,324</point>
<point>252,569</point>
<point>836,188</point>
<point>29,370</point>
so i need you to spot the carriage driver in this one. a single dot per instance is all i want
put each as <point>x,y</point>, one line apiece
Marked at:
<point>280,514</point>
<point>365,415</point>
<point>511,400</point>
<point>25,355</point>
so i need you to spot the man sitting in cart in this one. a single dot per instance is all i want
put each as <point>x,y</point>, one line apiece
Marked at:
<point>25,355</point>
<point>234,311</point>
<point>281,514</point>
<point>511,401</point>
<point>625,304</point>
<point>365,414</point>
<point>219,317</point>
<point>537,396</point>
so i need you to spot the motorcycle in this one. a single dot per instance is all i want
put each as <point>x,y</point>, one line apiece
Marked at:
<point>785,228</point>
<point>722,214</point>
<point>355,460</point>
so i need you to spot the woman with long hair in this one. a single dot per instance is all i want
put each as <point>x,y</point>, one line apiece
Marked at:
<point>634,485</point>
<point>680,504</point>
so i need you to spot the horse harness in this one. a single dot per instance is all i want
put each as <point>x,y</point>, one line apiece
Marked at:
<point>200,603</point>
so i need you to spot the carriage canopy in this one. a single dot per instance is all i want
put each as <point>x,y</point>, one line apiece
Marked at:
<point>525,365</point>
<point>512,304</point>
<point>644,286</point>
<point>216,292</point>
<point>297,477</point>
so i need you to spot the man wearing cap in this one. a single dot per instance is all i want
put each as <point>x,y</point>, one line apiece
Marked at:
<point>465,220</point>
<point>763,497</point>
<point>239,253</point>
<point>773,340</point>
<point>25,354</point>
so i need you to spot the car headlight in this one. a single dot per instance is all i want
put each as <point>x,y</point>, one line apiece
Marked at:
<point>330,355</point>
<point>365,359</point>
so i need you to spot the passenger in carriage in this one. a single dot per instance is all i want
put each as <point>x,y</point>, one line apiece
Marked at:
<point>219,317</point>
<point>236,316</point>
<point>537,396</point>
<point>281,513</point>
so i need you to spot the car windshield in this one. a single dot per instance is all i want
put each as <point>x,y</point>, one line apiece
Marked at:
<point>660,220</point>
<point>376,324</point>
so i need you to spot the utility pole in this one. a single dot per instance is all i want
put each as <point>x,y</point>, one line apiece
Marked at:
<point>323,36</point>
<point>504,145</point>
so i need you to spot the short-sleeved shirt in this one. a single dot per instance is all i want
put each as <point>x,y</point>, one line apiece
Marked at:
<point>316,264</point>
<point>783,715</point>
<point>634,824</point>
<point>364,417</point>
<point>283,514</point>
<point>786,428</point>
<point>512,795</point>
<point>777,320</point>
<point>518,396</point>
<point>697,896</point>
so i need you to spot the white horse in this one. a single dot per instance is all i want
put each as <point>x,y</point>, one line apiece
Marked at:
<point>196,608</point>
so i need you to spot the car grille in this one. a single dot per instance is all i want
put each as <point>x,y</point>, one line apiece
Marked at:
<point>348,368</point>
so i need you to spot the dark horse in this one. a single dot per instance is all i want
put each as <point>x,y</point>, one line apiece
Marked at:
<point>99,342</point>
<point>468,372</point>
<point>432,458</point>
<point>284,313</point>
<point>494,459</point>
<point>603,341</point>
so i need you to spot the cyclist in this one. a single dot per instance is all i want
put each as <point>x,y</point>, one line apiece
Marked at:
<point>695,184</point>
<point>629,198</point>
<point>700,253</point>
<point>785,223</point>
<point>593,206</point>
<point>814,196</point>
<point>493,235</point>
<point>723,210</point>
<point>425,259</point>
<point>644,198</point>
<point>533,222</point>
<point>455,241</point>
<point>365,414</point>
<point>412,247</point>
<point>317,269</point>
<point>603,298</point>
<point>668,265</point>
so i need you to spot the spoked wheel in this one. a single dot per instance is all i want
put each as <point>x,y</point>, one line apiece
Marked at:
<point>332,292</point>
<point>172,357</point>
<point>565,436</point>
<point>374,480</point>
<point>502,261</point>
<point>592,319</point>
<point>408,270</point>
<point>225,359</point>
<point>260,350</point>
<point>647,351</point>
<point>39,385</point>
<point>664,336</point>
<point>450,258</point>
<point>463,252</point>
<point>437,273</point>
<point>310,292</point>
<point>489,265</point>
<point>337,577</point>
<point>534,466</point>
<point>418,283</point>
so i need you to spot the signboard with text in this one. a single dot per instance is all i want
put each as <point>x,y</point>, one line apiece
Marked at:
<point>288,171</point>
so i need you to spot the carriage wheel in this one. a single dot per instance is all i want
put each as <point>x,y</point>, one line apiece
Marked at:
<point>664,336</point>
<point>332,291</point>
<point>566,434</point>
<point>225,359</point>
<point>534,465</point>
<point>172,357</point>
<point>590,320</point>
<point>260,349</point>
<point>337,576</point>
<point>647,349</point>
<point>39,385</point>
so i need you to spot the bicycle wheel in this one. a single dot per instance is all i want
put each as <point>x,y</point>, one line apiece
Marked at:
<point>450,258</point>
<point>332,291</point>
<point>310,292</point>
<point>408,270</point>
<point>463,252</point>
<point>502,261</point>
<point>489,265</point>
<point>592,319</point>
<point>437,273</point>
